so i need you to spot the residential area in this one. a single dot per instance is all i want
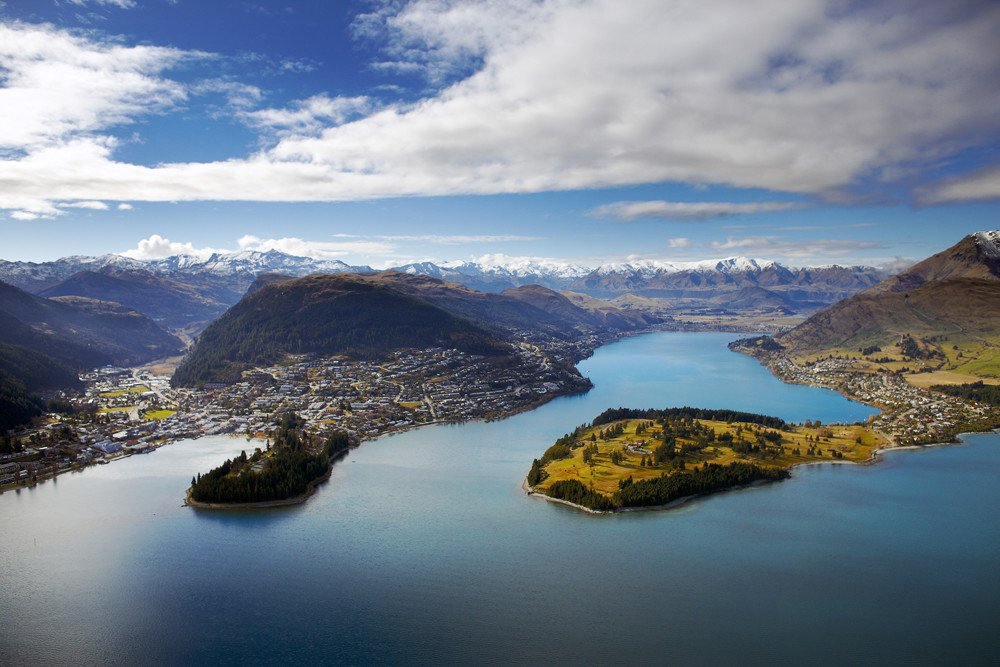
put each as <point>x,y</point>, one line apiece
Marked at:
<point>910,415</point>
<point>132,411</point>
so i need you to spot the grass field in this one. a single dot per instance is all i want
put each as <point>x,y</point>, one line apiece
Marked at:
<point>158,414</point>
<point>121,409</point>
<point>603,475</point>
<point>952,359</point>
<point>138,389</point>
<point>164,366</point>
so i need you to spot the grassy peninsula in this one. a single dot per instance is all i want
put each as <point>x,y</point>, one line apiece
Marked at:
<point>629,458</point>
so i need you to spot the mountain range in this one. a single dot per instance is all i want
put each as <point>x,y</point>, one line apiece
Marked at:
<point>184,293</point>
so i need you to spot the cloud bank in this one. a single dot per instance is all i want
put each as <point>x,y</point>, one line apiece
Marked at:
<point>632,210</point>
<point>811,97</point>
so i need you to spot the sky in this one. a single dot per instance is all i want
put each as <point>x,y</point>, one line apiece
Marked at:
<point>384,132</point>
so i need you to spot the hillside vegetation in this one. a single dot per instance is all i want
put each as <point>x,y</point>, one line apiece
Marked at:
<point>331,315</point>
<point>943,312</point>
<point>80,331</point>
<point>638,458</point>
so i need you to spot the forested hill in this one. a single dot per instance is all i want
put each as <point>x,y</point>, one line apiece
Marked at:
<point>44,342</point>
<point>23,372</point>
<point>81,332</point>
<point>338,314</point>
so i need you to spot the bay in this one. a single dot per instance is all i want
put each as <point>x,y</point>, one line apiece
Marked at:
<point>423,549</point>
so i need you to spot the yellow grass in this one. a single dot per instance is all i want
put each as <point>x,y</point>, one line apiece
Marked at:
<point>159,414</point>
<point>139,389</point>
<point>603,475</point>
<point>925,380</point>
<point>164,366</point>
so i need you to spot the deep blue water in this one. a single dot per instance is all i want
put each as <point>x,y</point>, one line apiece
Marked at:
<point>423,549</point>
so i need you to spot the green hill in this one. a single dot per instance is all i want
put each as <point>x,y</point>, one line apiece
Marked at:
<point>338,314</point>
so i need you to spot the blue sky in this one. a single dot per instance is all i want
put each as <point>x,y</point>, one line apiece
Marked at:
<point>579,131</point>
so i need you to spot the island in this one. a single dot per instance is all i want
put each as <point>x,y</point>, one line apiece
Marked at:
<point>631,459</point>
<point>286,473</point>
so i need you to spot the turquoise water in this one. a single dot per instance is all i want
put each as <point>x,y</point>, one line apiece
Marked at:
<point>423,549</point>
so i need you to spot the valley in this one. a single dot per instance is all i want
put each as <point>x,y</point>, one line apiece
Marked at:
<point>370,353</point>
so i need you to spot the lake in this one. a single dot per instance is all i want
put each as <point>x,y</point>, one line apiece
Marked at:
<point>423,549</point>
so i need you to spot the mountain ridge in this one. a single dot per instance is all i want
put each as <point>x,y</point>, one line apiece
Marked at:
<point>367,316</point>
<point>954,293</point>
<point>203,288</point>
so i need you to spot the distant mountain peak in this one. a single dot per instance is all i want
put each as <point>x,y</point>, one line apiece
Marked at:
<point>989,243</point>
<point>649,267</point>
<point>955,292</point>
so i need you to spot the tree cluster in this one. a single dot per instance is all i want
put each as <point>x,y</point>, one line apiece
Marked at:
<point>573,490</point>
<point>976,391</point>
<point>665,489</point>
<point>764,343</point>
<point>537,473</point>
<point>673,414</point>
<point>286,473</point>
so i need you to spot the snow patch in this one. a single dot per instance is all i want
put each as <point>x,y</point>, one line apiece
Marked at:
<point>648,268</point>
<point>989,243</point>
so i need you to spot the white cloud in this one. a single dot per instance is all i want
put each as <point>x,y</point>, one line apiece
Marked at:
<point>983,185</point>
<point>92,205</point>
<point>812,249</point>
<point>306,116</point>
<point>125,206</point>
<point>157,247</point>
<point>317,249</point>
<point>897,264</point>
<point>456,239</point>
<point>124,4</point>
<point>631,210</point>
<point>523,263</point>
<point>58,84</point>
<point>679,243</point>
<point>802,97</point>
<point>806,97</point>
<point>238,95</point>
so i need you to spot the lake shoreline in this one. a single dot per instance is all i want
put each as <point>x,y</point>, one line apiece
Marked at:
<point>673,504</point>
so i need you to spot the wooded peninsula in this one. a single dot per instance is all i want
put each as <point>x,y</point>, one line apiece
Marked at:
<point>285,473</point>
<point>627,458</point>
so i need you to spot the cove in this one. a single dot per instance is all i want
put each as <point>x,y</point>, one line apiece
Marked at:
<point>423,549</point>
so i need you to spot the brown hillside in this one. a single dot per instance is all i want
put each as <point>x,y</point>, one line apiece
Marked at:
<point>941,307</point>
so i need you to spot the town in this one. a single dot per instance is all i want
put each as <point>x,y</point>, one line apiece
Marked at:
<point>132,411</point>
<point>910,415</point>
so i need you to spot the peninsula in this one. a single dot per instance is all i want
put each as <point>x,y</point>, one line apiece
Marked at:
<point>627,458</point>
<point>286,473</point>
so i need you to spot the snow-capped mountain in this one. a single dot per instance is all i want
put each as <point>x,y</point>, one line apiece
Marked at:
<point>497,276</point>
<point>210,285</point>
<point>652,267</point>
<point>245,263</point>
<point>251,262</point>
